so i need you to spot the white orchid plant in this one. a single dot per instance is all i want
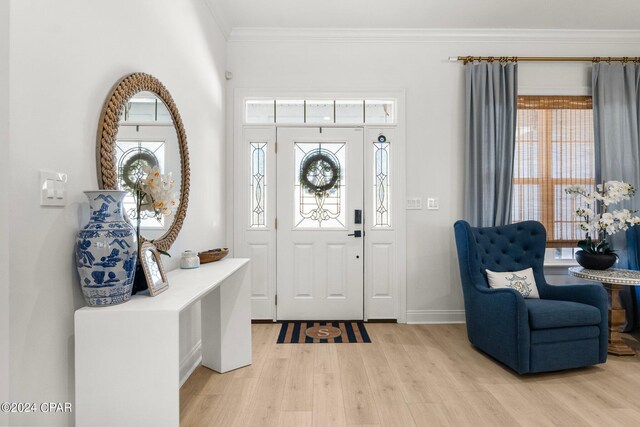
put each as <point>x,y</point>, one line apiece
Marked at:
<point>595,218</point>
<point>154,193</point>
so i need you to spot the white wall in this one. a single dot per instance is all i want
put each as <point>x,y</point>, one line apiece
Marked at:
<point>351,61</point>
<point>4,208</point>
<point>65,57</point>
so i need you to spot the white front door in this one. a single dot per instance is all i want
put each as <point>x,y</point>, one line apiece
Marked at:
<point>319,254</point>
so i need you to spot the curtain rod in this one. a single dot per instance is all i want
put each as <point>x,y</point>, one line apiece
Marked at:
<point>466,59</point>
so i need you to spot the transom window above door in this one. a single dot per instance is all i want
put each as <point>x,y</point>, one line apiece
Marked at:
<point>327,111</point>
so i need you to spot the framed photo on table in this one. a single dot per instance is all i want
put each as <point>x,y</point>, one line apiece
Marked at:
<point>153,269</point>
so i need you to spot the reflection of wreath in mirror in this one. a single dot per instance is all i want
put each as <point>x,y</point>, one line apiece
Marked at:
<point>131,170</point>
<point>319,171</point>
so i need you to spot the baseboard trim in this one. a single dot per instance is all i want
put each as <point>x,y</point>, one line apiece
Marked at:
<point>435,316</point>
<point>190,362</point>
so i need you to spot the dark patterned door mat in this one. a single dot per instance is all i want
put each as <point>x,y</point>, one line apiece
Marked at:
<point>310,332</point>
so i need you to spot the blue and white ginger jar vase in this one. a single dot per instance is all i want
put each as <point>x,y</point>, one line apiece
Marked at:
<point>106,251</point>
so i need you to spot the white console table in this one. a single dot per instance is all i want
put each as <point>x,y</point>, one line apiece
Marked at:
<point>127,356</point>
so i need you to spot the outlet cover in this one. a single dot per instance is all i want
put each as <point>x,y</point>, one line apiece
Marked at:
<point>433,203</point>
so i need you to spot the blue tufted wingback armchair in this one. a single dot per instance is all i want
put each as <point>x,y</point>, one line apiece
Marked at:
<point>633,247</point>
<point>633,252</point>
<point>565,328</point>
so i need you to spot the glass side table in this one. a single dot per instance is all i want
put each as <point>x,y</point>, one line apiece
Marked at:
<point>613,280</point>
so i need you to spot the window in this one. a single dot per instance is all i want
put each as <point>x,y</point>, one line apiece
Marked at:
<point>258,186</point>
<point>137,146</point>
<point>145,107</point>
<point>320,193</point>
<point>381,184</point>
<point>554,149</point>
<point>358,111</point>
<point>132,156</point>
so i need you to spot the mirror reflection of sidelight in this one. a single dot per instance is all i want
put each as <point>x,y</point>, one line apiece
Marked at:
<point>141,129</point>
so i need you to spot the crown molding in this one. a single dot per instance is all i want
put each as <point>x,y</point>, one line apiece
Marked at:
<point>419,35</point>
<point>219,17</point>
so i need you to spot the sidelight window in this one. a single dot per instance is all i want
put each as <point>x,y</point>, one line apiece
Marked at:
<point>381,184</point>
<point>258,186</point>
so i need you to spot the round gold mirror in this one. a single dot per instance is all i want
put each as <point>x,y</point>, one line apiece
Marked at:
<point>140,133</point>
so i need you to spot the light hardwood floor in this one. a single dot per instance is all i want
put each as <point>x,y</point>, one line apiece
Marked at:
<point>410,375</point>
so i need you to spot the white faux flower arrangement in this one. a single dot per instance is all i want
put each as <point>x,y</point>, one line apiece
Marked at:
<point>159,188</point>
<point>595,218</point>
<point>155,194</point>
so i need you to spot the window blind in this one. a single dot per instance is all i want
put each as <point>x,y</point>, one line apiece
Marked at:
<point>554,149</point>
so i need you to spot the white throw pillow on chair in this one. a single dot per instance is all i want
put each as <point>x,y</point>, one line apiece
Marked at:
<point>522,281</point>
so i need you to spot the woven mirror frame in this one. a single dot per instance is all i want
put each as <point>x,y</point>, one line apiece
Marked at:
<point>108,126</point>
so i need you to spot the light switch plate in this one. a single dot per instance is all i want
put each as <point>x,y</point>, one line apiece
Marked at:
<point>414,203</point>
<point>433,203</point>
<point>53,188</point>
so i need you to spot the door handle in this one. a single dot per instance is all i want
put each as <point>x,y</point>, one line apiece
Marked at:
<point>356,233</point>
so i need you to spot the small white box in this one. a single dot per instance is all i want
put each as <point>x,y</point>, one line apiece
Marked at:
<point>433,203</point>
